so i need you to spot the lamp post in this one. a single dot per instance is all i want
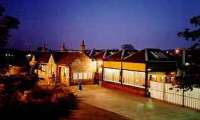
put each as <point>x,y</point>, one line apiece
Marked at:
<point>147,69</point>
<point>98,72</point>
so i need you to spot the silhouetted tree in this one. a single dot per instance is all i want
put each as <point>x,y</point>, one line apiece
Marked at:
<point>127,47</point>
<point>190,76</point>
<point>193,35</point>
<point>6,24</point>
<point>22,99</point>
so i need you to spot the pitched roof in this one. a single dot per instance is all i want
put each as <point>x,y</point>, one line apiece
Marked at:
<point>99,55</point>
<point>102,54</point>
<point>152,55</point>
<point>96,54</point>
<point>42,57</point>
<point>136,57</point>
<point>87,52</point>
<point>129,52</point>
<point>158,55</point>
<point>119,55</point>
<point>66,58</point>
<point>158,60</point>
<point>114,57</point>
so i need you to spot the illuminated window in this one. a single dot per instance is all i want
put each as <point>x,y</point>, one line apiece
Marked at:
<point>75,76</point>
<point>82,76</point>
<point>111,75</point>
<point>154,78</point>
<point>90,76</point>
<point>134,78</point>
<point>85,76</point>
<point>43,68</point>
<point>157,76</point>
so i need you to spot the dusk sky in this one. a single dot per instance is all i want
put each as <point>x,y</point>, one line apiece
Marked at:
<point>101,23</point>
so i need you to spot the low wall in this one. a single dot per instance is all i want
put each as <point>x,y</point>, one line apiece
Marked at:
<point>84,82</point>
<point>124,88</point>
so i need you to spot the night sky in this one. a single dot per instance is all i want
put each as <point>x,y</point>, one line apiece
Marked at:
<point>101,23</point>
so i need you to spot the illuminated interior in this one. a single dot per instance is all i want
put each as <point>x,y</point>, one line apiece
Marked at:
<point>64,75</point>
<point>82,76</point>
<point>157,76</point>
<point>112,75</point>
<point>134,78</point>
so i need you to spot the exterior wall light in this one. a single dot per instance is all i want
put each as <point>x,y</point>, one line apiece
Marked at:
<point>187,64</point>
<point>177,51</point>
<point>149,69</point>
<point>28,55</point>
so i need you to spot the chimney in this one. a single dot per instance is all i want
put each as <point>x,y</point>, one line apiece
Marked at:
<point>82,47</point>
<point>44,49</point>
<point>62,47</point>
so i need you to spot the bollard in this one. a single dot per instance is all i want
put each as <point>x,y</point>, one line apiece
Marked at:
<point>79,86</point>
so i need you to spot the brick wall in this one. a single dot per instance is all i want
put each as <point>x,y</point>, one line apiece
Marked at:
<point>124,88</point>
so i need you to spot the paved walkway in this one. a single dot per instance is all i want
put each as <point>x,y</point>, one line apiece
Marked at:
<point>89,112</point>
<point>133,107</point>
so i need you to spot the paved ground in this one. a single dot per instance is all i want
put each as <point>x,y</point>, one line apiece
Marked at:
<point>133,107</point>
<point>89,112</point>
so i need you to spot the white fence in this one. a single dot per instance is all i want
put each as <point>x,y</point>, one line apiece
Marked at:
<point>168,92</point>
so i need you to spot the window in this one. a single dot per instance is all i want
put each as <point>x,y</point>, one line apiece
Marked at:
<point>82,76</point>
<point>112,75</point>
<point>134,78</point>
<point>157,76</point>
<point>65,72</point>
<point>85,76</point>
<point>43,68</point>
<point>89,75</point>
<point>75,76</point>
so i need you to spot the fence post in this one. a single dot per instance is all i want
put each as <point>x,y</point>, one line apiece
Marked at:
<point>163,91</point>
<point>183,99</point>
